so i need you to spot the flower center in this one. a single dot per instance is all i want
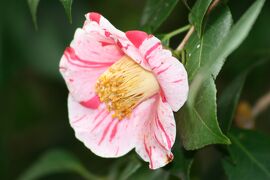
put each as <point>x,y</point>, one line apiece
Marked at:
<point>124,85</point>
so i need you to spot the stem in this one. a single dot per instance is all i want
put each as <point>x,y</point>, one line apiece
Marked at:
<point>186,38</point>
<point>176,32</point>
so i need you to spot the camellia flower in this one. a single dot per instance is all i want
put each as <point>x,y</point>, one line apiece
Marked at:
<point>123,89</point>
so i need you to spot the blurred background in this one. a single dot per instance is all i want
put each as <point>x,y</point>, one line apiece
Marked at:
<point>33,95</point>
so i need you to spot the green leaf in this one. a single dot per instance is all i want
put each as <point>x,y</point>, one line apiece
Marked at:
<point>130,169</point>
<point>156,12</point>
<point>199,50</point>
<point>236,36</point>
<point>197,14</point>
<point>229,100</point>
<point>198,124</point>
<point>232,40</point>
<point>56,161</point>
<point>67,6</point>
<point>250,156</point>
<point>33,5</point>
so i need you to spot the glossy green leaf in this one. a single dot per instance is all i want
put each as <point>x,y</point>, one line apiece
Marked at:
<point>67,4</point>
<point>236,36</point>
<point>56,161</point>
<point>232,40</point>
<point>198,124</point>
<point>199,50</point>
<point>249,156</point>
<point>197,14</point>
<point>229,100</point>
<point>156,12</point>
<point>33,5</point>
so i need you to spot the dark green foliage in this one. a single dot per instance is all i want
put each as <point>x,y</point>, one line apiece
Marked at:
<point>155,12</point>
<point>249,156</point>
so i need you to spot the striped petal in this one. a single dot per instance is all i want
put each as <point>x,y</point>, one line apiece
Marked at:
<point>157,136</point>
<point>88,56</point>
<point>171,76</point>
<point>103,135</point>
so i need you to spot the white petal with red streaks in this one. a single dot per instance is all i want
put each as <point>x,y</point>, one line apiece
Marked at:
<point>129,42</point>
<point>88,57</point>
<point>157,136</point>
<point>94,47</point>
<point>171,76</point>
<point>103,135</point>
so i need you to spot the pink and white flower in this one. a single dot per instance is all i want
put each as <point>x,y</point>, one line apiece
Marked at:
<point>123,89</point>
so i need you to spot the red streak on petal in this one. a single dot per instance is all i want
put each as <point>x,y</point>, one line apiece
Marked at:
<point>100,121</point>
<point>95,17</point>
<point>169,157</point>
<point>77,120</point>
<point>166,135</point>
<point>149,153</point>
<point>162,95</point>
<point>105,132</point>
<point>92,103</point>
<point>136,37</point>
<point>78,65</point>
<point>107,33</point>
<point>177,81</point>
<point>114,131</point>
<point>151,50</point>
<point>159,142</point>
<point>71,53</point>
<point>157,66</point>
<point>98,114</point>
<point>105,43</point>
<point>119,44</point>
<point>163,70</point>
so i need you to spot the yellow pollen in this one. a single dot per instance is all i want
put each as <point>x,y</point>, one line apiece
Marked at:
<point>124,85</point>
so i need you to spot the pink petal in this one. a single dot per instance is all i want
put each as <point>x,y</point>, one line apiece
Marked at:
<point>147,51</point>
<point>103,135</point>
<point>171,76</point>
<point>129,42</point>
<point>81,65</point>
<point>157,136</point>
<point>95,17</point>
<point>94,47</point>
<point>136,37</point>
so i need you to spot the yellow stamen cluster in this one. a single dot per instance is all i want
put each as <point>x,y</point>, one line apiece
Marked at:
<point>124,85</point>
